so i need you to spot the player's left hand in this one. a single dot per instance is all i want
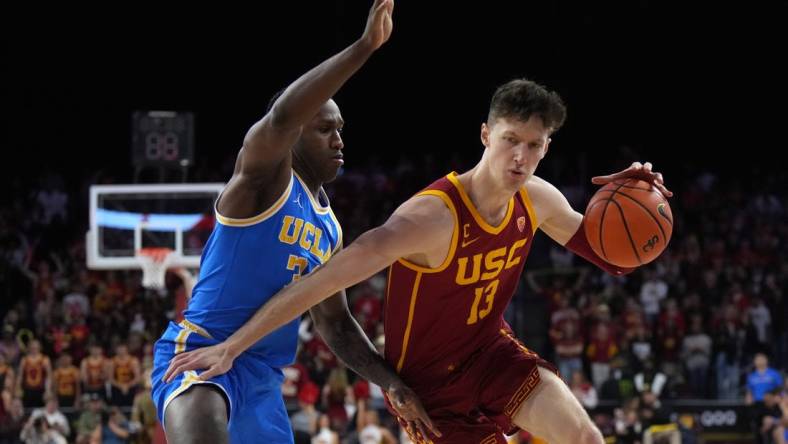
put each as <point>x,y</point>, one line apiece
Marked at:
<point>216,359</point>
<point>637,170</point>
<point>409,408</point>
<point>379,23</point>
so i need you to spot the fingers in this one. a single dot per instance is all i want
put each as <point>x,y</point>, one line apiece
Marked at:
<point>429,424</point>
<point>210,373</point>
<point>380,6</point>
<point>179,364</point>
<point>174,362</point>
<point>666,192</point>
<point>421,430</point>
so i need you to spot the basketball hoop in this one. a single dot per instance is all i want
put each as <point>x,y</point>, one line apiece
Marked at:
<point>154,262</point>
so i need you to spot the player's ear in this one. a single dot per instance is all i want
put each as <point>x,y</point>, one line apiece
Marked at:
<point>547,146</point>
<point>485,136</point>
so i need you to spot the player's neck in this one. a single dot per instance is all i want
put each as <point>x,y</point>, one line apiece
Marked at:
<point>489,198</point>
<point>310,178</point>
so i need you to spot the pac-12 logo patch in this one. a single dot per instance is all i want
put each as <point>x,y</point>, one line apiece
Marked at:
<point>521,223</point>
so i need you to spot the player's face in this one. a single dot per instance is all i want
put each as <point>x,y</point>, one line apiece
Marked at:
<point>514,148</point>
<point>320,145</point>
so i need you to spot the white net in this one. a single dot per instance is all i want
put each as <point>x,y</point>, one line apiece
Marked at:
<point>154,263</point>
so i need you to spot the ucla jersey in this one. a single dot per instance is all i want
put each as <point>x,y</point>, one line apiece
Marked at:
<point>247,261</point>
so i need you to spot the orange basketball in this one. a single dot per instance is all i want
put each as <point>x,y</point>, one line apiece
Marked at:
<point>628,222</point>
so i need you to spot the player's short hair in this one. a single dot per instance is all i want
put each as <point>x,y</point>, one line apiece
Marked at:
<point>523,98</point>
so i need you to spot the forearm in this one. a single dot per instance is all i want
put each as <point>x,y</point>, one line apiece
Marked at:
<point>347,268</point>
<point>303,98</point>
<point>579,245</point>
<point>349,342</point>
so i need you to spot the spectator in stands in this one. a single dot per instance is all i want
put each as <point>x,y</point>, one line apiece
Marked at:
<point>304,420</point>
<point>8,345</point>
<point>369,429</point>
<point>696,355</point>
<point>143,411</point>
<point>6,375</point>
<point>653,290</point>
<point>65,380</point>
<point>124,376</point>
<point>38,431</point>
<point>325,435</point>
<point>762,379</point>
<point>775,418</point>
<point>35,372</point>
<point>12,419</point>
<point>569,350</point>
<point>650,379</point>
<point>656,420</point>
<point>583,390</point>
<point>114,428</point>
<point>55,418</point>
<point>94,372</point>
<point>600,351</point>
<point>90,418</point>
<point>729,344</point>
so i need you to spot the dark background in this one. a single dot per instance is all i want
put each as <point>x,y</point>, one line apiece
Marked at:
<point>689,87</point>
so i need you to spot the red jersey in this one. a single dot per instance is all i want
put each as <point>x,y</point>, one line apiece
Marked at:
<point>66,380</point>
<point>436,319</point>
<point>34,375</point>
<point>124,369</point>
<point>96,375</point>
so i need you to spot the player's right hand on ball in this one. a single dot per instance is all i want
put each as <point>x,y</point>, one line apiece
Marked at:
<point>409,408</point>
<point>216,360</point>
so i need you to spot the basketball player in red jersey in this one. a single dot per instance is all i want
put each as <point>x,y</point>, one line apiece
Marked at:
<point>456,251</point>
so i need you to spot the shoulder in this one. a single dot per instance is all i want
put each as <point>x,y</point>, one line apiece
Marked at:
<point>545,197</point>
<point>428,205</point>
<point>541,190</point>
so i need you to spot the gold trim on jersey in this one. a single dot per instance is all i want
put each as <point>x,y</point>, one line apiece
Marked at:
<point>339,232</point>
<point>388,283</point>
<point>195,328</point>
<point>315,204</point>
<point>180,340</point>
<point>530,207</point>
<point>232,222</point>
<point>491,439</point>
<point>190,378</point>
<point>475,213</point>
<point>413,295</point>
<point>455,234</point>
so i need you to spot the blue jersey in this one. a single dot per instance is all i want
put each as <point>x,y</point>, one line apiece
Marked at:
<point>247,261</point>
<point>760,383</point>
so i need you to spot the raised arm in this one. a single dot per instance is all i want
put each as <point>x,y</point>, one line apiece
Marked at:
<point>265,156</point>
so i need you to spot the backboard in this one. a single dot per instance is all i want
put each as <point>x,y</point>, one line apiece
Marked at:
<point>126,218</point>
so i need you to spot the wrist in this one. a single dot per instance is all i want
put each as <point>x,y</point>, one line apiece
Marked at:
<point>364,46</point>
<point>231,348</point>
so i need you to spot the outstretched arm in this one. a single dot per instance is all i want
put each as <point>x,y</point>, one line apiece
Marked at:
<point>413,228</point>
<point>418,226</point>
<point>268,142</point>
<point>264,162</point>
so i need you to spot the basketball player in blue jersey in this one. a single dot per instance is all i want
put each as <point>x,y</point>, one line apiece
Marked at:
<point>274,225</point>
